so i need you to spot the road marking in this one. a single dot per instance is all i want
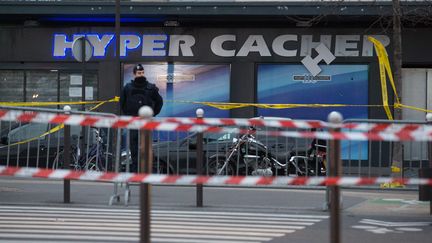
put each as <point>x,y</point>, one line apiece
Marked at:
<point>209,233</point>
<point>394,224</point>
<point>365,227</point>
<point>129,223</point>
<point>116,210</point>
<point>155,214</point>
<point>409,229</point>
<point>403,201</point>
<point>162,218</point>
<point>116,225</point>
<point>384,227</point>
<point>127,227</point>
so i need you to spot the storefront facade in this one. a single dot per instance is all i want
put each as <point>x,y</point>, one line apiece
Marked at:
<point>228,51</point>
<point>214,52</point>
<point>256,65</point>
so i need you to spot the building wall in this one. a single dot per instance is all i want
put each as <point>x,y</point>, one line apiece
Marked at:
<point>33,48</point>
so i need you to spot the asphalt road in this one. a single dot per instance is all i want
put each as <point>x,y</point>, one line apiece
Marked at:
<point>31,209</point>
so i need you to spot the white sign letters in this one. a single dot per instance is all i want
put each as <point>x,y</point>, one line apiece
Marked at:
<point>288,45</point>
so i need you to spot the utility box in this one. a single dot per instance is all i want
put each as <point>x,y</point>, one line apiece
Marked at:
<point>425,191</point>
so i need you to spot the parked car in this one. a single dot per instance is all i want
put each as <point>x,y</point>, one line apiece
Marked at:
<point>29,145</point>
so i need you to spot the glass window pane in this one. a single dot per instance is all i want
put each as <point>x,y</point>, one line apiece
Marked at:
<point>27,131</point>
<point>11,89</point>
<point>71,87</point>
<point>336,84</point>
<point>11,85</point>
<point>41,86</point>
<point>209,82</point>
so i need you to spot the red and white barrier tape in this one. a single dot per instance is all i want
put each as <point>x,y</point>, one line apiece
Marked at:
<point>126,121</point>
<point>208,180</point>
<point>301,124</point>
<point>377,132</point>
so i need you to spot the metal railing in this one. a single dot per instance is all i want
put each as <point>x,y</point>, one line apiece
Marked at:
<point>374,158</point>
<point>241,152</point>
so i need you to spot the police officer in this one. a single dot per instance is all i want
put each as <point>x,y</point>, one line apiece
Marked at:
<point>139,92</point>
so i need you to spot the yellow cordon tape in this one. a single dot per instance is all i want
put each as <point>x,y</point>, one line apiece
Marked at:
<point>384,66</point>
<point>228,106</point>
<point>412,108</point>
<point>98,103</point>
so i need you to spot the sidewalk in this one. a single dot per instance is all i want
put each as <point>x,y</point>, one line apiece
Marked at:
<point>355,201</point>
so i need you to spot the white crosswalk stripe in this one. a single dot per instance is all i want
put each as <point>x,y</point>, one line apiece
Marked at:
<point>67,224</point>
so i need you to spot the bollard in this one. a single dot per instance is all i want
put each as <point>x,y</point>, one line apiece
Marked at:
<point>145,150</point>
<point>425,191</point>
<point>335,118</point>
<point>429,121</point>
<point>199,160</point>
<point>66,157</point>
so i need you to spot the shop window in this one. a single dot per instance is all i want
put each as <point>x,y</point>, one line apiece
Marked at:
<point>71,87</point>
<point>11,89</point>
<point>11,85</point>
<point>336,84</point>
<point>417,92</point>
<point>47,85</point>
<point>182,84</point>
<point>41,86</point>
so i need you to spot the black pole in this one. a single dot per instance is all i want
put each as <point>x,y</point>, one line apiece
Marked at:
<point>145,188</point>
<point>117,44</point>
<point>83,70</point>
<point>199,161</point>
<point>335,171</point>
<point>145,164</point>
<point>83,93</point>
<point>66,159</point>
<point>429,122</point>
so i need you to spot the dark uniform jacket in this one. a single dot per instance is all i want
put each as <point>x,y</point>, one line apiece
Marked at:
<point>147,93</point>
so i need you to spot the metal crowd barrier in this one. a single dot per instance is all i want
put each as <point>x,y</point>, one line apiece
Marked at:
<point>374,158</point>
<point>247,151</point>
<point>28,144</point>
<point>177,153</point>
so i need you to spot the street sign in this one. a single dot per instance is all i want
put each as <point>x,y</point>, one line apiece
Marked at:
<point>77,49</point>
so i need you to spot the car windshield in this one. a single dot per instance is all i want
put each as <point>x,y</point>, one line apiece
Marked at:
<point>209,137</point>
<point>218,137</point>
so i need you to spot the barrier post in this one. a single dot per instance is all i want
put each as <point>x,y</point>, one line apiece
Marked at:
<point>335,118</point>
<point>199,160</point>
<point>145,150</point>
<point>66,157</point>
<point>425,191</point>
<point>429,122</point>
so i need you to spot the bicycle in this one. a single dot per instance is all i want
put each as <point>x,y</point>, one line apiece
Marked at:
<point>97,159</point>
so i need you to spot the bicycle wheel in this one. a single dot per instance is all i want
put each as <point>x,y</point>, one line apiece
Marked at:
<point>99,163</point>
<point>58,162</point>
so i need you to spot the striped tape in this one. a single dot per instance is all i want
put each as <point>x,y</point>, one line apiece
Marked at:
<point>207,180</point>
<point>352,131</point>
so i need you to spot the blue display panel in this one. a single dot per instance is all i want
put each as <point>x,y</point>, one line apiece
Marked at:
<point>187,82</point>
<point>336,84</point>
